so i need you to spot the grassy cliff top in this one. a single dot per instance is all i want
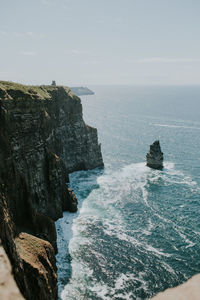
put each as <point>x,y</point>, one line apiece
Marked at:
<point>10,91</point>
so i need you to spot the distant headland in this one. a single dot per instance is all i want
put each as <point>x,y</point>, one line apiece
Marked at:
<point>81,91</point>
<point>77,90</point>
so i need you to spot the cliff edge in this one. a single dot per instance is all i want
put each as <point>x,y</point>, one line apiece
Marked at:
<point>43,138</point>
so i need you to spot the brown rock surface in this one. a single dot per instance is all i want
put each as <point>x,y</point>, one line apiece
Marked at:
<point>39,265</point>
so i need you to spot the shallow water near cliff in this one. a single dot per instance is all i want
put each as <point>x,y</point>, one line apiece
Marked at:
<point>137,231</point>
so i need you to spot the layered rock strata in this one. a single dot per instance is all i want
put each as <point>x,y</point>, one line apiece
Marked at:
<point>154,157</point>
<point>42,139</point>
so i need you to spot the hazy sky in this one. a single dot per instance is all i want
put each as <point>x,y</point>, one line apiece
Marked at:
<point>100,41</point>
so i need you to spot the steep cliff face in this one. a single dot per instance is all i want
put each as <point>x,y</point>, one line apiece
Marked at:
<point>42,138</point>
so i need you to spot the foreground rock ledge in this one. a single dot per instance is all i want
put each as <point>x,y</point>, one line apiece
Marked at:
<point>8,287</point>
<point>43,138</point>
<point>155,156</point>
<point>39,265</point>
<point>186,291</point>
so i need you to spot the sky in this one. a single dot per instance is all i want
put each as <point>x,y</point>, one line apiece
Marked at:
<point>91,42</point>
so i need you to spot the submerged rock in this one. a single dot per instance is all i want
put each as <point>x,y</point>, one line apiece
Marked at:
<point>155,156</point>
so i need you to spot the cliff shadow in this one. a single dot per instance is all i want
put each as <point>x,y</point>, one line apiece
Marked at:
<point>82,183</point>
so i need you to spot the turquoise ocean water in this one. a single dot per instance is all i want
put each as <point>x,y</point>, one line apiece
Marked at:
<point>137,231</point>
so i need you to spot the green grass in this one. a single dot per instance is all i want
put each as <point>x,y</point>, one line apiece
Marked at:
<point>33,91</point>
<point>11,90</point>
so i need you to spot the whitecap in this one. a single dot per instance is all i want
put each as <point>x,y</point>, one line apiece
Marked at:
<point>103,205</point>
<point>176,126</point>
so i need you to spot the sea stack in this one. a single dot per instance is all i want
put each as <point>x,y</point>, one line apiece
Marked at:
<point>155,156</point>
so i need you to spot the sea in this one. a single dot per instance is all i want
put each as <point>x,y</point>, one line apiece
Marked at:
<point>137,230</point>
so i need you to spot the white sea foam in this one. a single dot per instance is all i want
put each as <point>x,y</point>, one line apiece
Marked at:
<point>65,224</point>
<point>121,235</point>
<point>104,205</point>
<point>168,268</point>
<point>176,126</point>
<point>113,188</point>
<point>186,240</point>
<point>77,279</point>
<point>106,293</point>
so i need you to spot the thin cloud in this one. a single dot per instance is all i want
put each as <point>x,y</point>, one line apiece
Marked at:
<point>27,34</point>
<point>3,33</point>
<point>46,2</point>
<point>63,3</point>
<point>33,34</point>
<point>76,52</point>
<point>30,33</point>
<point>28,53</point>
<point>79,52</point>
<point>92,62</point>
<point>153,60</point>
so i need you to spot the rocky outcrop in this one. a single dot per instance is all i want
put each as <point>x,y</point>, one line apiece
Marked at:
<point>189,290</point>
<point>34,270</point>
<point>42,139</point>
<point>155,156</point>
<point>39,266</point>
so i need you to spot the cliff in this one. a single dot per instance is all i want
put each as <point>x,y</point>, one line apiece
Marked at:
<point>81,91</point>
<point>42,139</point>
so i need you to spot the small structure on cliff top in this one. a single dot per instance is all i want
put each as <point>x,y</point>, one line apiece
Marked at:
<point>53,83</point>
<point>155,156</point>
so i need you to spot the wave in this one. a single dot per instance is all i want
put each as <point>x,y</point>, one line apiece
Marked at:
<point>118,291</point>
<point>107,202</point>
<point>122,213</point>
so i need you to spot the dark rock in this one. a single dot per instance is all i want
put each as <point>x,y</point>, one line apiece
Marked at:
<point>71,203</point>
<point>155,156</point>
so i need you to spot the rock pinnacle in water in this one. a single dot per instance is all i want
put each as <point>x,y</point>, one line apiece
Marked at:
<point>155,156</point>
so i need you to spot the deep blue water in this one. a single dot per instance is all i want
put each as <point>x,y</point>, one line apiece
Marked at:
<point>137,231</point>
